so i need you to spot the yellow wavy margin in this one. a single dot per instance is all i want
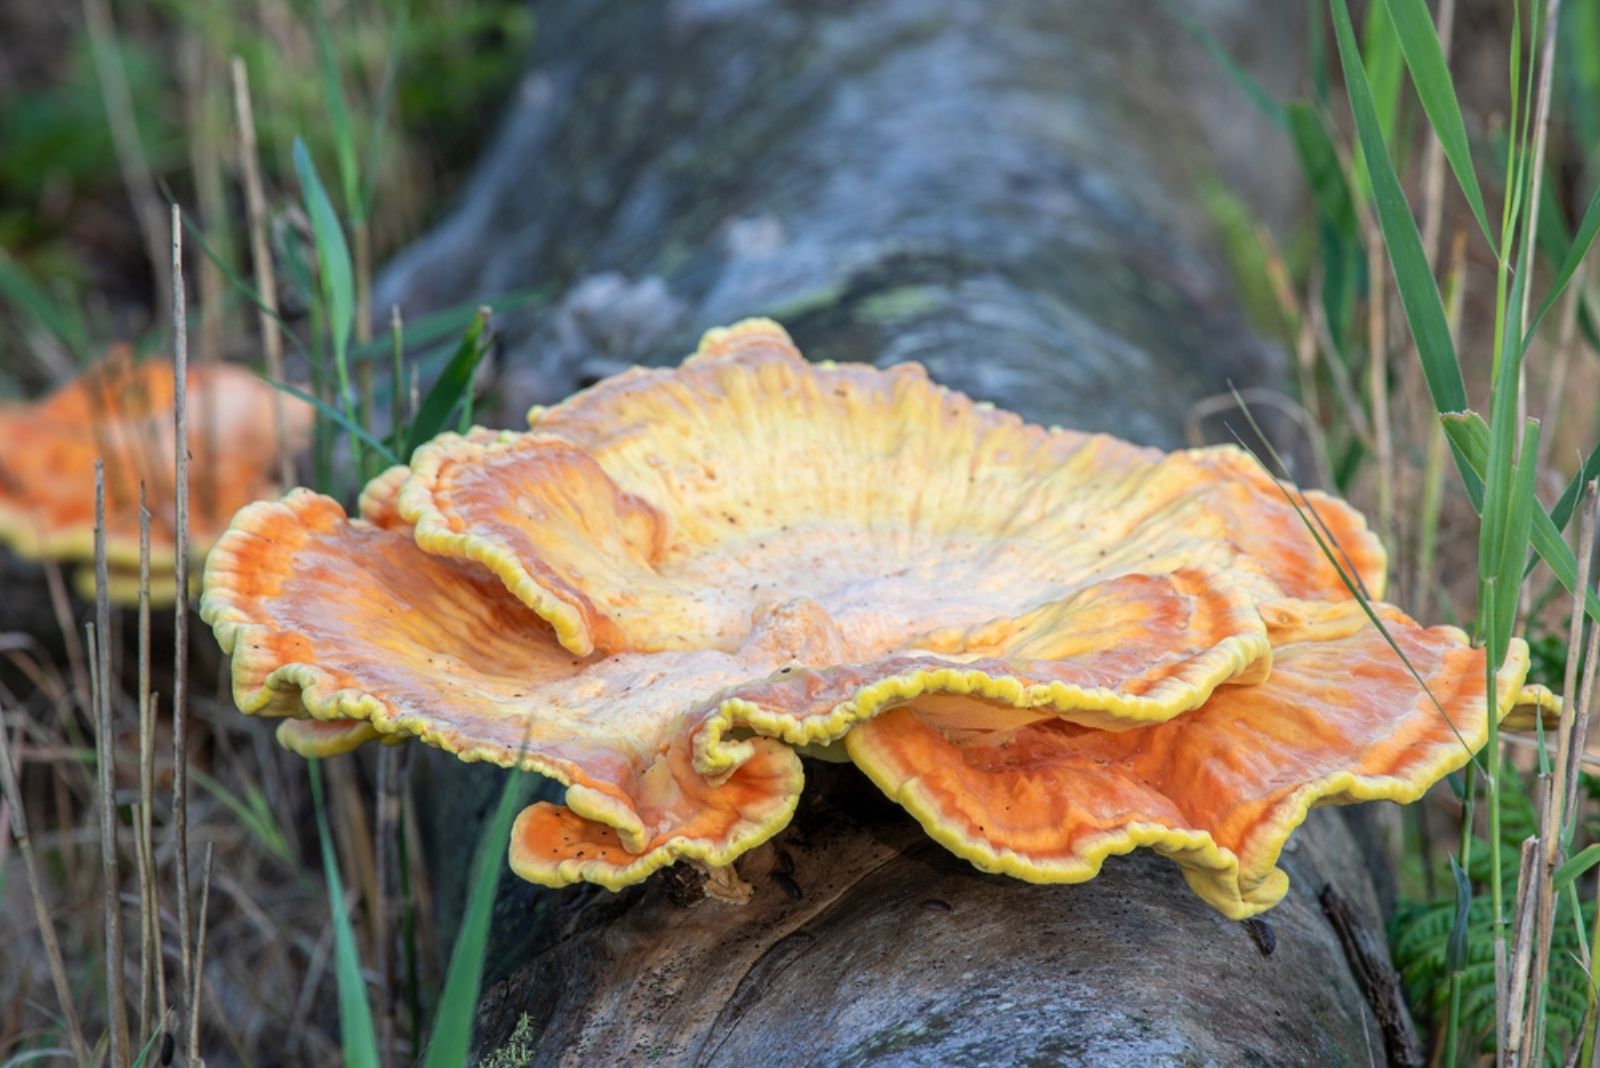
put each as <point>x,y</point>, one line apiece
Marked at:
<point>1237,888</point>
<point>1091,706</point>
<point>434,534</point>
<point>767,821</point>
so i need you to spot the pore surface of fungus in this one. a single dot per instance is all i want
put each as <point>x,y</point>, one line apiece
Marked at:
<point>121,410</point>
<point>1049,646</point>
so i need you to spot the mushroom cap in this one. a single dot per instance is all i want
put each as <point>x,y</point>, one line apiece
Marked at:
<point>121,409</point>
<point>677,577</point>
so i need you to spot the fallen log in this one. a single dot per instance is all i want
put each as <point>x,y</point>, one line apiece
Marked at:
<point>1011,194</point>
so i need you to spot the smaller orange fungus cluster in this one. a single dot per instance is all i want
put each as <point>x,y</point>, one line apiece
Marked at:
<point>121,410</point>
<point>1049,647</point>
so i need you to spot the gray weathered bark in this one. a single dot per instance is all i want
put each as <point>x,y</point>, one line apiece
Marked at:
<point>1008,192</point>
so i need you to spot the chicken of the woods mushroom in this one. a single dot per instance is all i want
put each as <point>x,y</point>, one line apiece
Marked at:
<point>1048,646</point>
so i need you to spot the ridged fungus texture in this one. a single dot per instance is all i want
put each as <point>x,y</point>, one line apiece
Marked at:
<point>120,410</point>
<point>1048,646</point>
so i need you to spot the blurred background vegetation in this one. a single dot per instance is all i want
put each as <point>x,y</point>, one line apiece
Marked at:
<point>424,81</point>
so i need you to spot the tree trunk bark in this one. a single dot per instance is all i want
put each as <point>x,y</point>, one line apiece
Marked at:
<point>1020,195</point>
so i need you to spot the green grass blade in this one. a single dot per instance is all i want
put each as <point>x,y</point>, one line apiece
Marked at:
<point>1419,293</point>
<point>254,814</point>
<point>1430,74</point>
<point>1241,77</point>
<point>238,281</point>
<point>333,261</point>
<point>1573,869</point>
<point>1456,948</point>
<point>344,143</point>
<point>457,1010</point>
<point>149,1047</point>
<point>386,92</point>
<point>334,415</point>
<point>33,303</point>
<point>447,322</point>
<point>1319,158</point>
<point>1380,53</point>
<point>1469,436</point>
<point>357,1035</point>
<point>1332,552</point>
<point>1579,249</point>
<point>452,386</point>
<point>1561,514</point>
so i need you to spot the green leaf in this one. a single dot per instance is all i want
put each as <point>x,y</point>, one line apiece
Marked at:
<point>1430,74</point>
<point>457,1010</point>
<point>1456,948</point>
<point>454,383</point>
<point>357,1035</point>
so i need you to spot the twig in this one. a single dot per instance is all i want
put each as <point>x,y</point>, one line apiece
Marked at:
<point>261,256</point>
<point>106,764</point>
<point>199,961</point>
<point>1377,978</point>
<point>41,909</point>
<point>180,640</point>
<point>151,966</point>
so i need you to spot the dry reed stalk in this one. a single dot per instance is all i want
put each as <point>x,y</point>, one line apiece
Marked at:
<point>1378,380</point>
<point>41,908</point>
<point>1433,155</point>
<point>261,258</point>
<point>106,763</point>
<point>1541,131</point>
<point>1553,797</point>
<point>152,978</point>
<point>1555,387</point>
<point>388,821</point>
<point>1433,465</point>
<point>180,640</point>
<point>61,607</point>
<point>1589,530</point>
<point>1509,1022</point>
<point>199,961</point>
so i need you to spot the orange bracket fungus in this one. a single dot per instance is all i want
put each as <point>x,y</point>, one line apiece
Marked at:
<point>121,410</point>
<point>1048,646</point>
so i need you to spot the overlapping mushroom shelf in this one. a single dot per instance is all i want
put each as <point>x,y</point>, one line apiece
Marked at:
<point>120,410</point>
<point>1050,647</point>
